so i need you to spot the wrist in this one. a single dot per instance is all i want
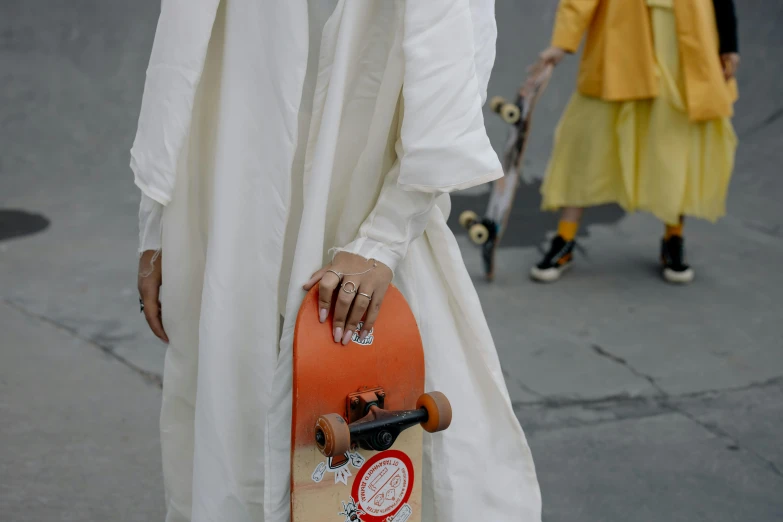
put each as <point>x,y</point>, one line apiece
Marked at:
<point>371,249</point>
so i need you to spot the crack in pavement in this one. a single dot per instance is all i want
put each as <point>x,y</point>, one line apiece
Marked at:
<point>665,401</point>
<point>148,376</point>
<point>719,432</point>
<point>566,402</point>
<point>771,118</point>
<point>622,362</point>
<point>521,384</point>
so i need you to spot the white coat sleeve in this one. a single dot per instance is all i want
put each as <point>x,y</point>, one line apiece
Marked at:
<point>399,217</point>
<point>445,144</point>
<point>150,224</point>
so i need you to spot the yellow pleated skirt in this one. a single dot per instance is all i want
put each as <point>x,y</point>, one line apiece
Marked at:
<point>643,155</point>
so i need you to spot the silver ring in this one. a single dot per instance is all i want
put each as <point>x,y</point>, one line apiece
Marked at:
<point>338,274</point>
<point>365,295</point>
<point>353,287</point>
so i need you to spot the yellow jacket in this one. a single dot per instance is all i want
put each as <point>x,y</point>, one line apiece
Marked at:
<point>618,63</point>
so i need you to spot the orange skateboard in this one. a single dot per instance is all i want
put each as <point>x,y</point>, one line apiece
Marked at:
<point>353,458</point>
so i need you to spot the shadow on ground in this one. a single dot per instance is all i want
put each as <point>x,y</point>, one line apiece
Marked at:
<point>528,225</point>
<point>18,223</point>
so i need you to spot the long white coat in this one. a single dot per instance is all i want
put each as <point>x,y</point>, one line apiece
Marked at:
<point>262,171</point>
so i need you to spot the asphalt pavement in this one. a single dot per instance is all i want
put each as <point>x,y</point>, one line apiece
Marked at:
<point>641,401</point>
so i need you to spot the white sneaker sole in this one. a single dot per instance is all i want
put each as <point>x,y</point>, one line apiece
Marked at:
<point>549,275</point>
<point>678,278</point>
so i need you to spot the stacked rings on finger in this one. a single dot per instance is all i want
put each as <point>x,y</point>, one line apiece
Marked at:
<point>338,274</point>
<point>353,287</point>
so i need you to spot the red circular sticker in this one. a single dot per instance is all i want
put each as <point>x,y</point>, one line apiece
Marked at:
<point>384,485</point>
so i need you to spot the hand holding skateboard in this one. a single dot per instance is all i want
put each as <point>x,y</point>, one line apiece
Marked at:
<point>357,286</point>
<point>549,57</point>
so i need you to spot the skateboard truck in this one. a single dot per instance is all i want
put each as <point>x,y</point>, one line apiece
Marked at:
<point>375,429</point>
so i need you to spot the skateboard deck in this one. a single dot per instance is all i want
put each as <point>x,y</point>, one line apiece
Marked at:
<point>487,230</point>
<point>366,471</point>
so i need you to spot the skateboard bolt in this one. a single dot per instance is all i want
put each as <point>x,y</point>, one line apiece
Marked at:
<point>354,403</point>
<point>384,440</point>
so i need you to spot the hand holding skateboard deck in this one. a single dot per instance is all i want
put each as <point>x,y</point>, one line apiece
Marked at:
<point>356,448</point>
<point>487,231</point>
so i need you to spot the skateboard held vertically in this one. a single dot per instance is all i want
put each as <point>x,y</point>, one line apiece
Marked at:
<point>358,414</point>
<point>487,230</point>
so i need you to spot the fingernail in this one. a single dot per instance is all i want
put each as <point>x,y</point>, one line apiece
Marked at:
<point>363,334</point>
<point>338,334</point>
<point>322,315</point>
<point>347,337</point>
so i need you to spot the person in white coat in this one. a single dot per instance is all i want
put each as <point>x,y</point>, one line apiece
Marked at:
<point>279,145</point>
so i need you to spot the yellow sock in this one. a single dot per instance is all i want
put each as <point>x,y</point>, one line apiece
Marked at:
<point>567,229</point>
<point>673,230</point>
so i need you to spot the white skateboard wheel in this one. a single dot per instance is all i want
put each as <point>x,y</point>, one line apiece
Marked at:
<point>510,113</point>
<point>478,233</point>
<point>467,218</point>
<point>496,103</point>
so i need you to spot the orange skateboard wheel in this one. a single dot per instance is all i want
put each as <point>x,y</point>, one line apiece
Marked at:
<point>332,435</point>
<point>438,410</point>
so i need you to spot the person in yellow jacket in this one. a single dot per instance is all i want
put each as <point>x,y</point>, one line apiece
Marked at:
<point>649,126</point>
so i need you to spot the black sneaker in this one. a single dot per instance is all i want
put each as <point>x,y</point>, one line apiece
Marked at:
<point>556,261</point>
<point>673,266</point>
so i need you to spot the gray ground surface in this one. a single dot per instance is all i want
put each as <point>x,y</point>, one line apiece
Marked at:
<point>641,402</point>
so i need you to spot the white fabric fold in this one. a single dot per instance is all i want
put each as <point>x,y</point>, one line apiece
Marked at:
<point>173,75</point>
<point>397,219</point>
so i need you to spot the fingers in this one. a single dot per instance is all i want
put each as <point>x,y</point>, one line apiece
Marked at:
<point>728,72</point>
<point>730,63</point>
<point>326,288</point>
<point>149,281</point>
<point>343,292</point>
<point>341,308</point>
<point>152,310</point>
<point>731,69</point>
<point>359,307</point>
<point>373,310</point>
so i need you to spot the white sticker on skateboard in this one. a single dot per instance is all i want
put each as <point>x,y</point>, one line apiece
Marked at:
<point>339,467</point>
<point>402,515</point>
<point>383,486</point>
<point>367,341</point>
<point>318,474</point>
<point>341,475</point>
<point>357,461</point>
